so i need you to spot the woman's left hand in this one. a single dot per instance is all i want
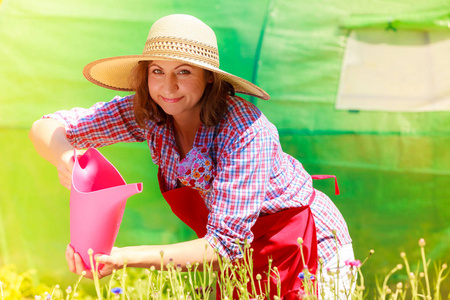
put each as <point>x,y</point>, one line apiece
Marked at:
<point>107,263</point>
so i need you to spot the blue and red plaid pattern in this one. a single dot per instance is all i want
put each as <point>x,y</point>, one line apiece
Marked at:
<point>252,175</point>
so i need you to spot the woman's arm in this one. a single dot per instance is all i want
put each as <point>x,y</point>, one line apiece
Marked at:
<point>49,139</point>
<point>55,136</point>
<point>146,256</point>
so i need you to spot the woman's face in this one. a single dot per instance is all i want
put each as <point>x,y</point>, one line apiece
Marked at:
<point>177,87</point>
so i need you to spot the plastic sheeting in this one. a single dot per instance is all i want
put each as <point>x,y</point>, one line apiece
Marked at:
<point>379,71</point>
<point>393,168</point>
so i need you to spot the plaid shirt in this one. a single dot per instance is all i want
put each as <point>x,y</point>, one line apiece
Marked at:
<point>252,176</point>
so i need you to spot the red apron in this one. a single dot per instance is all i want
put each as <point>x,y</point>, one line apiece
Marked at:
<point>275,236</point>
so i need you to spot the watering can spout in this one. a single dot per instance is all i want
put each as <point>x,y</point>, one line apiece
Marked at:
<point>131,189</point>
<point>97,202</point>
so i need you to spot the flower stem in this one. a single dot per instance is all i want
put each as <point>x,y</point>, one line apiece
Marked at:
<point>425,267</point>
<point>94,268</point>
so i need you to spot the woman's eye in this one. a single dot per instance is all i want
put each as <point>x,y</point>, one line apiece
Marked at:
<point>184,72</point>
<point>157,71</point>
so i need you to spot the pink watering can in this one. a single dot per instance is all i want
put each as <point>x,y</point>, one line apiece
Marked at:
<point>97,202</point>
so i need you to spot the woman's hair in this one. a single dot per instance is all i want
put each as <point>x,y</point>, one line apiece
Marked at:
<point>213,102</point>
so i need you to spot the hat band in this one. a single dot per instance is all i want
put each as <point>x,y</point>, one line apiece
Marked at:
<point>179,48</point>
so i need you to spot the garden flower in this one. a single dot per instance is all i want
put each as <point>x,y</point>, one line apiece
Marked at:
<point>422,242</point>
<point>117,291</point>
<point>302,276</point>
<point>301,294</point>
<point>353,263</point>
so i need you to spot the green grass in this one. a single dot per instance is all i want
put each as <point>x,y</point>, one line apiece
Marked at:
<point>420,281</point>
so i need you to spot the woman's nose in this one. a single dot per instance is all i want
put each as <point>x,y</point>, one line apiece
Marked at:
<point>170,83</point>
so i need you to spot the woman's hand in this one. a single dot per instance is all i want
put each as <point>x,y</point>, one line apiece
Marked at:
<point>65,167</point>
<point>107,263</point>
<point>49,139</point>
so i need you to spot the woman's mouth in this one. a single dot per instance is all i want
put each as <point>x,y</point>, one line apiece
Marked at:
<point>171,100</point>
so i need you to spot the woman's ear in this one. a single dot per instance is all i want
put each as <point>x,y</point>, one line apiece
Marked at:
<point>209,77</point>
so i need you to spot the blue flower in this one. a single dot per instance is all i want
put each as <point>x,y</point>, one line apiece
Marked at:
<point>117,290</point>
<point>302,276</point>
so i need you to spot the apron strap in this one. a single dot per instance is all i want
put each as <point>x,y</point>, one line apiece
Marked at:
<point>336,187</point>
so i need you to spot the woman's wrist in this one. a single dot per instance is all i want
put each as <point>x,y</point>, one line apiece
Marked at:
<point>135,256</point>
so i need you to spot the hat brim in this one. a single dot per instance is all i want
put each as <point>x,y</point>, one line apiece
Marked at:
<point>113,73</point>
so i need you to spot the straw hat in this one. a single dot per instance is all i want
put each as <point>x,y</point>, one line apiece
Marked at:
<point>181,38</point>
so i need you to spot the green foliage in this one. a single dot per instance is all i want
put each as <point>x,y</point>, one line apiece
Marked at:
<point>199,282</point>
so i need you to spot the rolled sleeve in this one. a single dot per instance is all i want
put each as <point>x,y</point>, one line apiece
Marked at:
<point>103,124</point>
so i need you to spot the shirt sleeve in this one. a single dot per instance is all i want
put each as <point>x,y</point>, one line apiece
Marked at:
<point>235,201</point>
<point>103,124</point>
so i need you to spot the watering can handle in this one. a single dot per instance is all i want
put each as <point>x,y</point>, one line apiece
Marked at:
<point>75,155</point>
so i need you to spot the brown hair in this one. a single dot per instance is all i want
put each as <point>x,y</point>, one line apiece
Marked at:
<point>214,99</point>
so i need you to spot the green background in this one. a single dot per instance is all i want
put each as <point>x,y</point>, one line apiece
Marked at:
<point>393,168</point>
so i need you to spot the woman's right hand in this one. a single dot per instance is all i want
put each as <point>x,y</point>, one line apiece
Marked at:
<point>65,167</point>
<point>49,139</point>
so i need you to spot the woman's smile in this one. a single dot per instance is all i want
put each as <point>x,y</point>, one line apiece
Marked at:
<point>171,100</point>
<point>177,87</point>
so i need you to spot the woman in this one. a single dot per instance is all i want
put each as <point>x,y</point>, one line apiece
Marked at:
<point>214,150</point>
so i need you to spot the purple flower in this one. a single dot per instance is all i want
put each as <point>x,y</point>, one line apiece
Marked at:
<point>117,290</point>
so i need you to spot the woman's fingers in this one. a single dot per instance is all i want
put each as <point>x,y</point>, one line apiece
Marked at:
<point>75,263</point>
<point>80,267</point>
<point>70,259</point>
<point>65,178</point>
<point>106,263</point>
<point>64,168</point>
